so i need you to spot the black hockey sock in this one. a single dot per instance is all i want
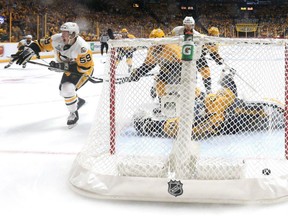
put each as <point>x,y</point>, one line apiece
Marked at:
<point>207,84</point>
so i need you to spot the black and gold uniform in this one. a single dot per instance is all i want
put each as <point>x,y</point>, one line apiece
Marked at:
<point>20,46</point>
<point>73,56</point>
<point>125,51</point>
<point>223,114</point>
<point>202,65</point>
<point>78,55</point>
<point>167,57</point>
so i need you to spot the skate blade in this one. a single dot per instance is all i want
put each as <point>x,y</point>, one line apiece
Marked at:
<point>71,126</point>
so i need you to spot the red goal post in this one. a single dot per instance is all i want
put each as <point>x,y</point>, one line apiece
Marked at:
<point>189,131</point>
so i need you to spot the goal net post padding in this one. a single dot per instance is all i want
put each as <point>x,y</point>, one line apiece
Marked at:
<point>207,130</point>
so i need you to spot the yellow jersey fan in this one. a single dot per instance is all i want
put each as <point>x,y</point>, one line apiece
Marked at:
<point>213,31</point>
<point>125,34</point>
<point>124,30</point>
<point>157,33</point>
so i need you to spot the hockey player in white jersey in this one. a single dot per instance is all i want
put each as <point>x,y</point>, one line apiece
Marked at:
<point>73,56</point>
<point>188,26</point>
<point>207,49</point>
<point>21,45</point>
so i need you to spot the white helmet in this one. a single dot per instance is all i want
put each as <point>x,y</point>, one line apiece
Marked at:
<point>28,37</point>
<point>71,27</point>
<point>189,21</point>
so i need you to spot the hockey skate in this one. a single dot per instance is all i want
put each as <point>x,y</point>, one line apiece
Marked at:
<point>80,103</point>
<point>24,66</point>
<point>72,119</point>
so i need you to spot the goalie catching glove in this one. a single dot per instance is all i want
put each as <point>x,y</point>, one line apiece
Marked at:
<point>27,54</point>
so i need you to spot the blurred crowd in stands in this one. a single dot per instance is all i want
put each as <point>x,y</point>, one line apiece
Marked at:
<point>42,18</point>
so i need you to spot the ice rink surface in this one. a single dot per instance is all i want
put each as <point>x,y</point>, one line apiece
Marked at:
<point>37,151</point>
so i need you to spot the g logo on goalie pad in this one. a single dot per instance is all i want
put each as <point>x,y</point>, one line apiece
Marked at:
<point>175,188</point>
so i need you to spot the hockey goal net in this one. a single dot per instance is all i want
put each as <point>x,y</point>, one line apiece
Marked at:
<point>207,130</point>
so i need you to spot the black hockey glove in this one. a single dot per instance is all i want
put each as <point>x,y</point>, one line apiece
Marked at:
<point>220,61</point>
<point>137,73</point>
<point>15,56</point>
<point>63,66</point>
<point>28,53</point>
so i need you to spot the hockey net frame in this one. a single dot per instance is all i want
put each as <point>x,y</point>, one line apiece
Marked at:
<point>143,178</point>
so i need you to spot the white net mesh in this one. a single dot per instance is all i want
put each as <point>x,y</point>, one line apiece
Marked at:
<point>219,117</point>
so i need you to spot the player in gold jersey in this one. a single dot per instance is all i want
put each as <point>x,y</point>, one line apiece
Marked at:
<point>209,50</point>
<point>72,55</point>
<point>222,113</point>
<point>168,58</point>
<point>125,51</point>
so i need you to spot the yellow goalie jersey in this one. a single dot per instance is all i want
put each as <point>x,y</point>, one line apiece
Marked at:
<point>78,52</point>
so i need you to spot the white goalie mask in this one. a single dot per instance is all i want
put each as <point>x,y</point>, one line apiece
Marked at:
<point>72,28</point>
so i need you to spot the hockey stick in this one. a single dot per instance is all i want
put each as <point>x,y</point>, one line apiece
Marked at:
<point>235,72</point>
<point>44,61</point>
<point>92,78</point>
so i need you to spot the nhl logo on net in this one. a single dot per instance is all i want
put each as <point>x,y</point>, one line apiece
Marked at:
<point>175,188</point>
<point>266,171</point>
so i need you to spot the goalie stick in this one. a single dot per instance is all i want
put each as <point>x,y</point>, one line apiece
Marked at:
<point>235,72</point>
<point>92,78</point>
<point>197,20</point>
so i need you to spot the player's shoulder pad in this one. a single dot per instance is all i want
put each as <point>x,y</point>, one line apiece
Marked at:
<point>56,38</point>
<point>178,30</point>
<point>23,41</point>
<point>196,32</point>
<point>82,45</point>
